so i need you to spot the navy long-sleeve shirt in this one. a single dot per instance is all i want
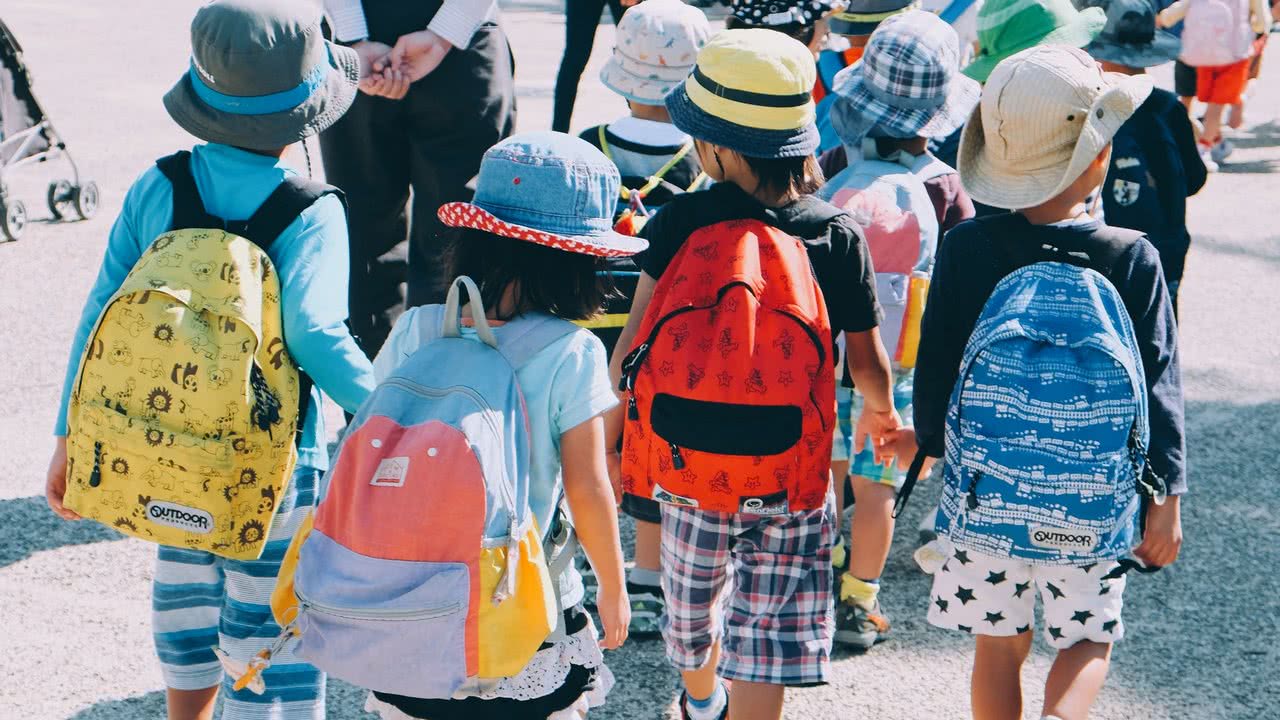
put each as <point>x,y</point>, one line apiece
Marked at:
<point>972,261</point>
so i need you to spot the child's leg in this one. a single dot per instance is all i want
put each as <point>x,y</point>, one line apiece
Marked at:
<point>186,602</point>
<point>1082,620</point>
<point>996,685</point>
<point>695,567</point>
<point>1075,680</point>
<point>872,527</point>
<point>295,690</point>
<point>644,580</point>
<point>648,546</point>
<point>1212,134</point>
<point>755,701</point>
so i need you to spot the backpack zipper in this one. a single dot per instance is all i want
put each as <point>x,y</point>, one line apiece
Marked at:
<point>677,460</point>
<point>389,615</point>
<point>971,497</point>
<point>95,477</point>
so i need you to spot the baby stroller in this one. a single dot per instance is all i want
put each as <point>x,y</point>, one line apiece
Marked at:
<point>26,137</point>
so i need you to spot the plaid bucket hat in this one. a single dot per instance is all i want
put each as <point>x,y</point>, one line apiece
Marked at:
<point>752,92</point>
<point>1006,27</point>
<point>1046,113</point>
<point>908,83</point>
<point>862,17</point>
<point>262,76</point>
<point>547,188</point>
<point>1131,37</point>
<point>657,44</point>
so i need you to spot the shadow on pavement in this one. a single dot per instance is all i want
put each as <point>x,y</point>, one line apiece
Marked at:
<point>150,705</point>
<point>27,526</point>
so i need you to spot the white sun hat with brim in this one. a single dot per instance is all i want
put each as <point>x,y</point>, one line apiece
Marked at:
<point>1045,114</point>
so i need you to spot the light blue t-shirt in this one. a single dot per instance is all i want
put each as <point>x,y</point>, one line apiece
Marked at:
<point>310,258</point>
<point>564,385</point>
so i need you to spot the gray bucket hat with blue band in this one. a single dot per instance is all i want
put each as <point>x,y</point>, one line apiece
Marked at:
<point>547,188</point>
<point>862,17</point>
<point>1131,38</point>
<point>262,76</point>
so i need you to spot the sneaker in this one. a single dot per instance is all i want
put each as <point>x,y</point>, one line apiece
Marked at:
<point>859,628</point>
<point>684,708</point>
<point>1206,156</point>
<point>925,533</point>
<point>1222,151</point>
<point>647,608</point>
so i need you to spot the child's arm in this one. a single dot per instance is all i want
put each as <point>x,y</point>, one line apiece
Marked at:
<point>1184,135</point>
<point>595,518</point>
<point>869,368</point>
<point>639,303</point>
<point>1173,14</point>
<point>313,290</point>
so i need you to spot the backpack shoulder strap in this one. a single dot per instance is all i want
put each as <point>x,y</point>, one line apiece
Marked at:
<point>188,208</point>
<point>955,10</point>
<point>520,339</point>
<point>289,200</point>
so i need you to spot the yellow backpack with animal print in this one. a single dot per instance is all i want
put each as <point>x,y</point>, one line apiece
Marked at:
<point>182,420</point>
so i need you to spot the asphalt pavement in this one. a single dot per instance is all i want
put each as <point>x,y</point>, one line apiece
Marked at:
<point>74,598</point>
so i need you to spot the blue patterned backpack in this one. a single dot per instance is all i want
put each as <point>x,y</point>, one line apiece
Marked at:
<point>1047,429</point>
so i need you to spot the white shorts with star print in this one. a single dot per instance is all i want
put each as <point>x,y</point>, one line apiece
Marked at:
<point>986,595</point>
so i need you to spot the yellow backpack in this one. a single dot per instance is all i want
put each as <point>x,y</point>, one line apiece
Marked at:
<point>183,415</point>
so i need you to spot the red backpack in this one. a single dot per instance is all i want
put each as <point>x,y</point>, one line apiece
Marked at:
<point>730,382</point>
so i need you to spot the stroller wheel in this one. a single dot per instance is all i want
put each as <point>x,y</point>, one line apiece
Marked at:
<point>86,199</point>
<point>60,199</point>
<point>13,219</point>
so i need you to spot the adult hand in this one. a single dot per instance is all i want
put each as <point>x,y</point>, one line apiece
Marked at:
<point>1162,538</point>
<point>55,483</point>
<point>417,54</point>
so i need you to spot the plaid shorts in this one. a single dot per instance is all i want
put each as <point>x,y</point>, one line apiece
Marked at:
<point>849,407</point>
<point>762,584</point>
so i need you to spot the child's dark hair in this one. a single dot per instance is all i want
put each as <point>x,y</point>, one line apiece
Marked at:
<point>800,175</point>
<point>799,31</point>
<point>568,285</point>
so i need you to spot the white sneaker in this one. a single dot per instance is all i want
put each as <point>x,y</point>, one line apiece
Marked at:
<point>1206,155</point>
<point>1222,151</point>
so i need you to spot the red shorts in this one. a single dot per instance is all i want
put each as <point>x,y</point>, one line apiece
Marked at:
<point>1222,84</point>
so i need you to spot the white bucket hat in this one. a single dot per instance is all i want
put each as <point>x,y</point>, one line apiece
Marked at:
<point>1045,114</point>
<point>657,46</point>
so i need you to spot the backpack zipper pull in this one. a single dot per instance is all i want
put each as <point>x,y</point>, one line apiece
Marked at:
<point>633,412</point>
<point>95,477</point>
<point>677,460</point>
<point>972,500</point>
<point>506,585</point>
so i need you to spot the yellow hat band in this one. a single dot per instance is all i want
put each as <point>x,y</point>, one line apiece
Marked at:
<point>765,111</point>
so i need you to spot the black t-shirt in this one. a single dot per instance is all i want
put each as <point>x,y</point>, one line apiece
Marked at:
<point>837,249</point>
<point>979,253</point>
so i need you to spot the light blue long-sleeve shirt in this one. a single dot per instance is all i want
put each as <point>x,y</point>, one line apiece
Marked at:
<point>310,257</point>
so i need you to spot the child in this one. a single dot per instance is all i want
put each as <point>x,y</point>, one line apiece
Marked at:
<point>243,55</point>
<point>850,29</point>
<point>1155,164</point>
<point>802,20</point>
<point>1217,40</point>
<point>658,42</point>
<point>529,257</point>
<point>1038,146</point>
<point>748,107</point>
<point>906,89</point>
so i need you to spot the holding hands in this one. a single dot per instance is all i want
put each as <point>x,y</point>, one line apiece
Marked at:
<point>388,72</point>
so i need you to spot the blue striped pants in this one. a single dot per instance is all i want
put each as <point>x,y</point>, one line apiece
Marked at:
<point>200,600</point>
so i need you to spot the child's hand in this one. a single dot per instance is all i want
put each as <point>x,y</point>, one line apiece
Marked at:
<point>614,606</point>
<point>1162,539</point>
<point>878,427</point>
<point>904,446</point>
<point>55,483</point>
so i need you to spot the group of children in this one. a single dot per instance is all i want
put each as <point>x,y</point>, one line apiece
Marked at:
<point>1051,150</point>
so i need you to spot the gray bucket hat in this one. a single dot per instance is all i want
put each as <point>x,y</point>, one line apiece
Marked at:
<point>262,76</point>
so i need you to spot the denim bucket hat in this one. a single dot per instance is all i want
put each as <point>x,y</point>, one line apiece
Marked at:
<point>657,44</point>
<point>1007,27</point>
<point>1131,37</point>
<point>751,92</point>
<point>262,76</point>
<point>908,83</point>
<point>862,17</point>
<point>547,188</point>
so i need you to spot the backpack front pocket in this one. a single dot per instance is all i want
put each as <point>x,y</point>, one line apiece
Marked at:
<point>408,642</point>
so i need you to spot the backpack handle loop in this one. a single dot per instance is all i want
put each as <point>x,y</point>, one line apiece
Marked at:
<point>453,312</point>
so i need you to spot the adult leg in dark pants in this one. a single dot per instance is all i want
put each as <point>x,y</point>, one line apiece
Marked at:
<point>581,18</point>
<point>431,141</point>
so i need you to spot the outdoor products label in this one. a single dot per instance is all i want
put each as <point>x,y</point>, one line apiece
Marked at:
<point>179,516</point>
<point>1074,539</point>
<point>775,504</point>
<point>662,496</point>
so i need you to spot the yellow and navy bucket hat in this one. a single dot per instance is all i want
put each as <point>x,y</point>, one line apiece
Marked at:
<point>752,92</point>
